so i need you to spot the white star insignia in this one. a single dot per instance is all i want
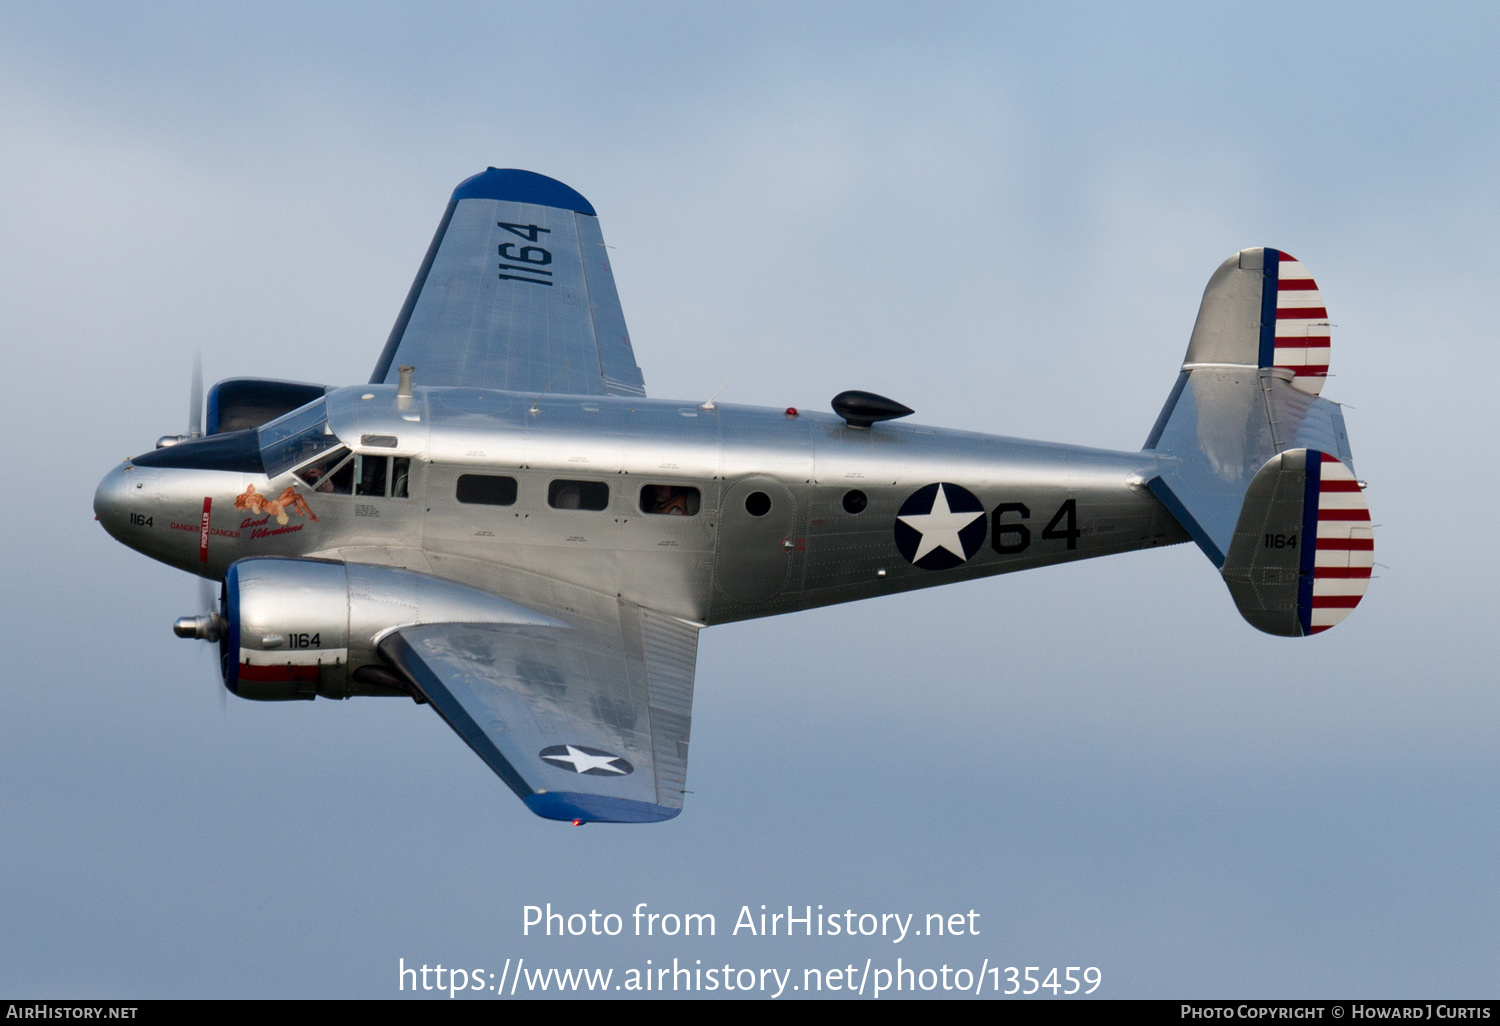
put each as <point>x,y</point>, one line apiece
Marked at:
<point>940,527</point>
<point>582,761</point>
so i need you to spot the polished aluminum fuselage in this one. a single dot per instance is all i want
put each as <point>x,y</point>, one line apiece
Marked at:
<point>720,565</point>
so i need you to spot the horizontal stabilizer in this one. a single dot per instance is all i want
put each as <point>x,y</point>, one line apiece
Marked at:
<point>1222,423</point>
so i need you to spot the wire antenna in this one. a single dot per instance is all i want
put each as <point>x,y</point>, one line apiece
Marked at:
<point>710,404</point>
<point>544,391</point>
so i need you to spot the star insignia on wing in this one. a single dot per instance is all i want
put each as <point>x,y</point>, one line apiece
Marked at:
<point>580,760</point>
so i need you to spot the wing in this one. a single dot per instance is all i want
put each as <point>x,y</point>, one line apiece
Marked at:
<point>587,722</point>
<point>515,293</point>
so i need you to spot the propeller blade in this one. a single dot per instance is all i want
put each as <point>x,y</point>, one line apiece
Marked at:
<point>208,601</point>
<point>195,398</point>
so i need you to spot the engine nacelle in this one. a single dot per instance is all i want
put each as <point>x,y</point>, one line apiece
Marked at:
<point>299,628</point>
<point>238,403</point>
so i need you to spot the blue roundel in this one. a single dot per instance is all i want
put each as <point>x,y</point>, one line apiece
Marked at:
<point>940,526</point>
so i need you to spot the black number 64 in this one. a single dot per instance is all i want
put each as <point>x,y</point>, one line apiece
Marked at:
<point>1011,537</point>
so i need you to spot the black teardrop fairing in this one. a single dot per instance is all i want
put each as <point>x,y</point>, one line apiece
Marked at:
<point>861,409</point>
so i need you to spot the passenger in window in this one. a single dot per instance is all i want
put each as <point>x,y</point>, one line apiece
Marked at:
<point>670,501</point>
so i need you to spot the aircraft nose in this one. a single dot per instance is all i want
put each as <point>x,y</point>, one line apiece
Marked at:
<point>113,499</point>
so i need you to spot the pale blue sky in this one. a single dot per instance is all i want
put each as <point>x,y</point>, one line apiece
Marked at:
<point>1003,217</point>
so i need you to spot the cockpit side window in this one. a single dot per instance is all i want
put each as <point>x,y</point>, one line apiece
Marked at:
<point>295,437</point>
<point>330,474</point>
<point>372,475</point>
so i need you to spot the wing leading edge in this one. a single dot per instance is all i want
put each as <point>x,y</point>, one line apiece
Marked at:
<point>588,722</point>
<point>515,293</point>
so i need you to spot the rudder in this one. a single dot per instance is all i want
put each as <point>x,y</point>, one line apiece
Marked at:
<point>1303,549</point>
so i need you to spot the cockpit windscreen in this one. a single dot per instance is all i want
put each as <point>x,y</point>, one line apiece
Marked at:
<point>294,437</point>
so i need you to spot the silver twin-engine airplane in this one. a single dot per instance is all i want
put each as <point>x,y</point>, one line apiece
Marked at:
<point>502,525</point>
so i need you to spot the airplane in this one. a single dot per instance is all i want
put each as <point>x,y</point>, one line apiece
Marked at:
<point>501,525</point>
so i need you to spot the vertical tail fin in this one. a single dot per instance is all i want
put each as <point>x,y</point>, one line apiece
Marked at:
<point>1302,550</point>
<point>1263,309</point>
<point>1294,322</point>
<point>1254,464</point>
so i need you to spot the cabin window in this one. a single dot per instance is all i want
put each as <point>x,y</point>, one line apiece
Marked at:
<point>670,500</point>
<point>757,504</point>
<point>400,474</point>
<point>333,474</point>
<point>592,495</point>
<point>484,489</point>
<point>855,501</point>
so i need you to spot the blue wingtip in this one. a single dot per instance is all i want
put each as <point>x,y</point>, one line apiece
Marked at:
<point>517,186</point>
<point>596,808</point>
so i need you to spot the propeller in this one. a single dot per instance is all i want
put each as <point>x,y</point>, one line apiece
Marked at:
<point>195,398</point>
<point>209,625</point>
<point>207,599</point>
<point>195,408</point>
